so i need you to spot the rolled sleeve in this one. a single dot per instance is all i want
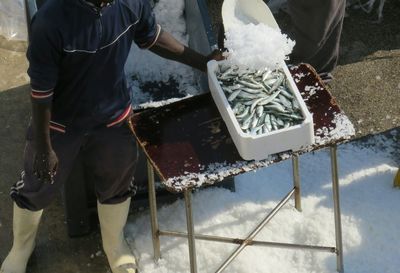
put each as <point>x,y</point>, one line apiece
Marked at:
<point>147,30</point>
<point>44,54</point>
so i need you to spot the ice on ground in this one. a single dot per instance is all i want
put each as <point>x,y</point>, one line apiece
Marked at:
<point>144,66</point>
<point>369,218</point>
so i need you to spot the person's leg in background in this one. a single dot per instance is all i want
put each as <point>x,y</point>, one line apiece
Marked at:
<point>317,26</point>
<point>31,196</point>
<point>110,157</point>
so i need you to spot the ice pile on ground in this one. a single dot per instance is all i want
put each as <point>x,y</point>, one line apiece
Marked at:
<point>369,218</point>
<point>144,66</point>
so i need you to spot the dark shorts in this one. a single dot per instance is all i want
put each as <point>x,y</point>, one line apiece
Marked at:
<point>109,158</point>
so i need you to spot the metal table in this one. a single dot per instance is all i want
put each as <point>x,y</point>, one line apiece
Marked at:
<point>188,146</point>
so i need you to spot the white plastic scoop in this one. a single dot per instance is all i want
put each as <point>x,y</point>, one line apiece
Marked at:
<point>246,12</point>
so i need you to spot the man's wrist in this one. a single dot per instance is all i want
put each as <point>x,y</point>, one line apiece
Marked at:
<point>195,59</point>
<point>44,149</point>
<point>42,143</point>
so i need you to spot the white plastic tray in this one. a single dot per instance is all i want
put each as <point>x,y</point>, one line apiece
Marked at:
<point>261,146</point>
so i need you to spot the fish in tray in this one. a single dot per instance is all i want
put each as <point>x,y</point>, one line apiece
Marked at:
<point>260,99</point>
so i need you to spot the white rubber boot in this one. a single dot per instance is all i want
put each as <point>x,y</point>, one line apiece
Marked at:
<point>112,222</point>
<point>25,226</point>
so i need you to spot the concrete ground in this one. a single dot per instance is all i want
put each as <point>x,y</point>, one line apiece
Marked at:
<point>366,86</point>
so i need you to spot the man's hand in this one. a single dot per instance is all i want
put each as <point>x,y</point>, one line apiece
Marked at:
<point>168,47</point>
<point>45,166</point>
<point>217,54</point>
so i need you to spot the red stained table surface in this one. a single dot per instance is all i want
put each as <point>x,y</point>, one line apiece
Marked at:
<point>182,140</point>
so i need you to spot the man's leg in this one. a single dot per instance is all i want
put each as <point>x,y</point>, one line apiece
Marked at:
<point>112,222</point>
<point>30,197</point>
<point>25,226</point>
<point>317,29</point>
<point>110,158</point>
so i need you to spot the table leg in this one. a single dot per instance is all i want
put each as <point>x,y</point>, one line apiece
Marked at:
<point>153,212</point>
<point>336,204</point>
<point>396,181</point>
<point>296,181</point>
<point>190,229</point>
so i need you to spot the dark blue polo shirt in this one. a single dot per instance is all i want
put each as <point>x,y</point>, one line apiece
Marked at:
<point>77,55</point>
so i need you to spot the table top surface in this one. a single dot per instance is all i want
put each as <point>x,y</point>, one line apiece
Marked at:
<point>189,145</point>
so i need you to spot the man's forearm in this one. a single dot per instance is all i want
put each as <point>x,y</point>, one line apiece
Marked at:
<point>168,47</point>
<point>41,114</point>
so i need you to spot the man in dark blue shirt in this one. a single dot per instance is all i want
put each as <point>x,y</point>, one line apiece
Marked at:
<point>80,104</point>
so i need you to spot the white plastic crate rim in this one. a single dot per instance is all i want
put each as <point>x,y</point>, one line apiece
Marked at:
<point>259,147</point>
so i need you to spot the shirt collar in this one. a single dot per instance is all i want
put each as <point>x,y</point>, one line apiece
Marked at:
<point>92,7</point>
